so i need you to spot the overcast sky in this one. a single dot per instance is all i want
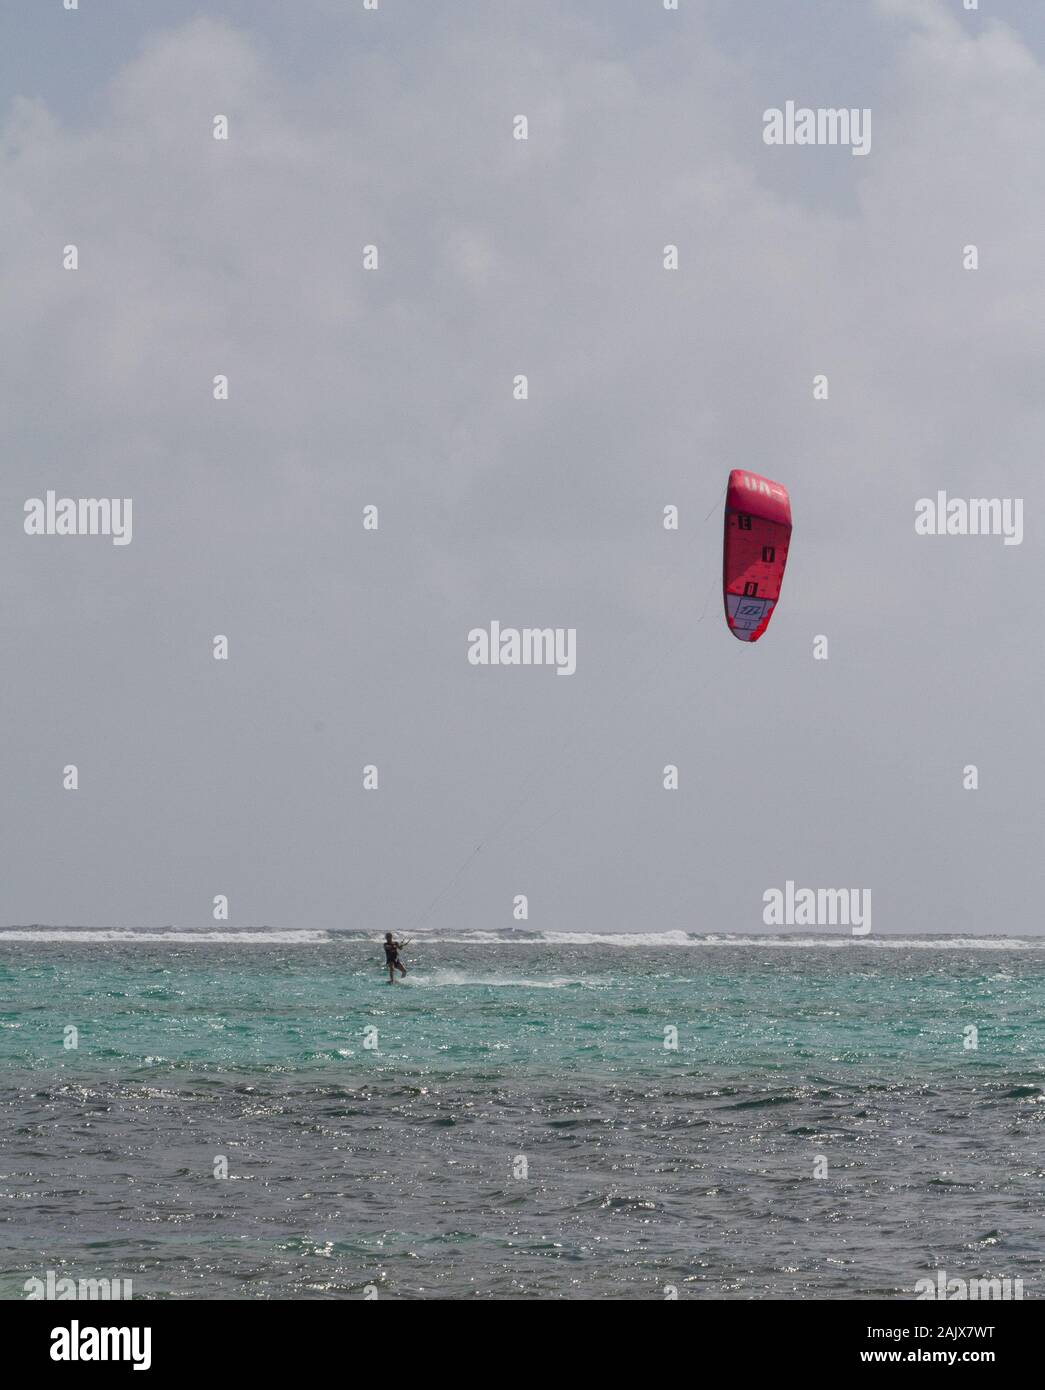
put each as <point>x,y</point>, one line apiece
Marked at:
<point>394,388</point>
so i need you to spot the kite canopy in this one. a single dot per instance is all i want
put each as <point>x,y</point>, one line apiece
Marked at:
<point>754,551</point>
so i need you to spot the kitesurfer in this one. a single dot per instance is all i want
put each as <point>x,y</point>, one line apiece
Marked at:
<point>392,949</point>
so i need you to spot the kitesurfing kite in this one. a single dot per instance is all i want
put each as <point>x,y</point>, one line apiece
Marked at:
<point>754,551</point>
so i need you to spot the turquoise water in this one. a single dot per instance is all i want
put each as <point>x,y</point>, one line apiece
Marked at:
<point>513,1125</point>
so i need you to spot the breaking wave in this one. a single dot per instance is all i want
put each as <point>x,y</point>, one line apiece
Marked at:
<point>278,936</point>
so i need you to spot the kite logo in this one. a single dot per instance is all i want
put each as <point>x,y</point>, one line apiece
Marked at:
<point>754,483</point>
<point>979,516</point>
<point>528,646</point>
<point>818,907</point>
<point>803,125</point>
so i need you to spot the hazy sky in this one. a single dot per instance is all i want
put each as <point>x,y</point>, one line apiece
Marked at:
<point>394,388</point>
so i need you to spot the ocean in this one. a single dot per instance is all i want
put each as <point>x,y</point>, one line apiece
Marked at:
<point>252,1115</point>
